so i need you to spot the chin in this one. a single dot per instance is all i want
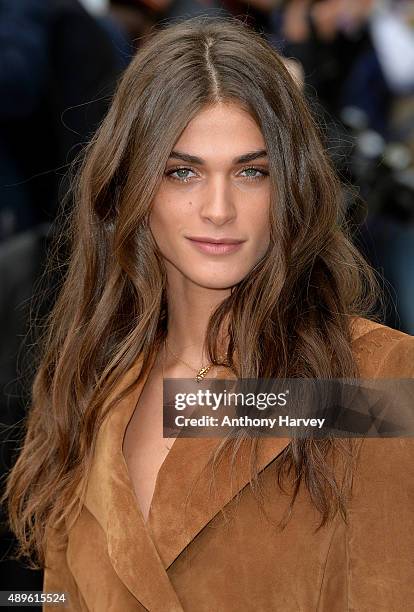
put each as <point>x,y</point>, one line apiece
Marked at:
<point>216,282</point>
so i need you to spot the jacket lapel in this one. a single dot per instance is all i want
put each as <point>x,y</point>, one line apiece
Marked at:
<point>141,552</point>
<point>111,499</point>
<point>172,523</point>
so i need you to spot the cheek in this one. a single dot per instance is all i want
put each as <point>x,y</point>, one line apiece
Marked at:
<point>259,221</point>
<point>171,213</point>
<point>162,214</point>
<point>166,222</point>
<point>158,223</point>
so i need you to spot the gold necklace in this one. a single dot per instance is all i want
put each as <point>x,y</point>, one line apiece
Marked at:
<point>201,372</point>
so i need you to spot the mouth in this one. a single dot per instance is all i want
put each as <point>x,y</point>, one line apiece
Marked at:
<point>216,246</point>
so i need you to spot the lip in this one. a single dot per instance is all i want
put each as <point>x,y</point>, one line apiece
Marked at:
<point>216,246</point>
<point>223,240</point>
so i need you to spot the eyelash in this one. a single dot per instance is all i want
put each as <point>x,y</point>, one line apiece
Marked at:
<point>171,171</point>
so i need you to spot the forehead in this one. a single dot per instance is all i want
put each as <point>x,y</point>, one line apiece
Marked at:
<point>225,128</point>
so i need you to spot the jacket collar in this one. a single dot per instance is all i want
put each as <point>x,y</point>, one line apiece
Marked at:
<point>142,552</point>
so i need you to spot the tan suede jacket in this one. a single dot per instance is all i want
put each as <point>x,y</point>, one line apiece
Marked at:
<point>115,562</point>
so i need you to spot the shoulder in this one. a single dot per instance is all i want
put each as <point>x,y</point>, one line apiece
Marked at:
<point>381,350</point>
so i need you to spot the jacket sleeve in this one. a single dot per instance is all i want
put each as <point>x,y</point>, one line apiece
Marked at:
<point>57,577</point>
<point>381,518</point>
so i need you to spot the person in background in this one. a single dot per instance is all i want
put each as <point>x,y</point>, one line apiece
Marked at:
<point>55,88</point>
<point>354,67</point>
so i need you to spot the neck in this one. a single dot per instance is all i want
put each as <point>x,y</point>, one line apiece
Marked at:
<point>189,309</point>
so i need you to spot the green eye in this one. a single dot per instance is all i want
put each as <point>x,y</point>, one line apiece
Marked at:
<point>183,178</point>
<point>250,170</point>
<point>180,171</point>
<point>261,173</point>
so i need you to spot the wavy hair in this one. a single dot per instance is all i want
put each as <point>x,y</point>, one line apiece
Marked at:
<point>289,317</point>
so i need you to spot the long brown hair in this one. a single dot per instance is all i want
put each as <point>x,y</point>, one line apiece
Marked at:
<point>289,317</point>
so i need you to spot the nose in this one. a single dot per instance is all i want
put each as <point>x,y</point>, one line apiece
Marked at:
<point>218,204</point>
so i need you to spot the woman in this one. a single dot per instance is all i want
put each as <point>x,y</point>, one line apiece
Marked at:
<point>208,140</point>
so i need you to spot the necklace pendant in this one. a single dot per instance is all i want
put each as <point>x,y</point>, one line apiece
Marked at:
<point>202,373</point>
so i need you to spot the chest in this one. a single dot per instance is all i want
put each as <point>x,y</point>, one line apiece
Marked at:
<point>144,447</point>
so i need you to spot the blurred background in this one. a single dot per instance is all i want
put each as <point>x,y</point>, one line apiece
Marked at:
<point>60,62</point>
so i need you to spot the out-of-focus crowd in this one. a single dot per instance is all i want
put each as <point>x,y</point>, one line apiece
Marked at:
<point>60,61</point>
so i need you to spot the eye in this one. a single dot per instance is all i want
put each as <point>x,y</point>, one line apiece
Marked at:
<point>262,173</point>
<point>181,171</point>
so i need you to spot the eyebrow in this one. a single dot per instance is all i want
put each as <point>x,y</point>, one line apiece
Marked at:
<point>242,159</point>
